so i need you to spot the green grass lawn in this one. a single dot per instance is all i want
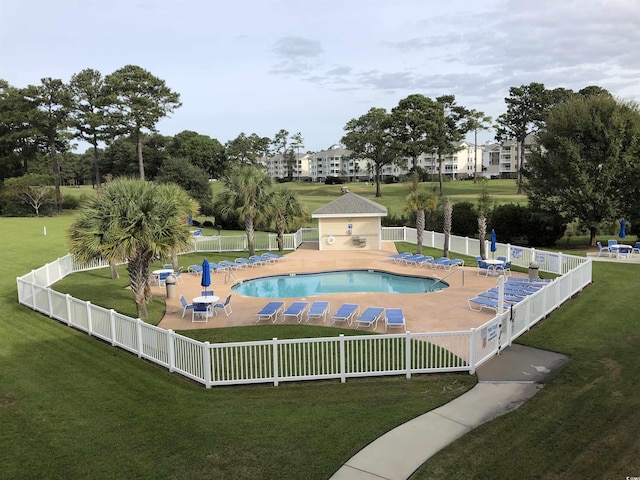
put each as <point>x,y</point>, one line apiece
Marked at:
<point>72,406</point>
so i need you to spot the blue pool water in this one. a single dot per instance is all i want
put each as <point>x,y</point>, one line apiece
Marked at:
<point>345,281</point>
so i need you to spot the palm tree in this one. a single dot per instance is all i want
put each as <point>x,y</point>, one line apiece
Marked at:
<point>245,194</point>
<point>448,211</point>
<point>418,201</point>
<point>133,221</point>
<point>287,211</point>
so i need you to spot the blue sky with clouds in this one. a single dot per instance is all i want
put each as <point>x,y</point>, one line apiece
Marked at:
<point>309,66</point>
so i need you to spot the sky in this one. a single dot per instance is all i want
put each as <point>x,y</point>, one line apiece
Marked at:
<point>310,66</point>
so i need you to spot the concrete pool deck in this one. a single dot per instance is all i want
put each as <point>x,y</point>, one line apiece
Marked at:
<point>444,310</point>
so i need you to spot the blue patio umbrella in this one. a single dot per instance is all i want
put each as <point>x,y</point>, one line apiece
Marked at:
<point>205,280</point>
<point>494,247</point>
<point>623,225</point>
<point>190,220</point>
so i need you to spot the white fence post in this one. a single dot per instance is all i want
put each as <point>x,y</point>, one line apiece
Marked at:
<point>112,323</point>
<point>171,350</point>
<point>343,368</point>
<point>206,364</point>
<point>139,335</point>
<point>407,353</point>
<point>50,302</point>
<point>472,351</point>
<point>68,300</point>
<point>89,326</point>
<point>275,362</point>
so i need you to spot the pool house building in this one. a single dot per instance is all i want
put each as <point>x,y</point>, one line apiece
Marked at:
<point>350,222</point>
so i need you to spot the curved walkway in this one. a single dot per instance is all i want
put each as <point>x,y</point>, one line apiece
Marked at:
<point>505,382</point>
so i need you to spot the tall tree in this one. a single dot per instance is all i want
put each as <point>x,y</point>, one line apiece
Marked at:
<point>527,107</point>
<point>297,142</point>
<point>202,151</point>
<point>413,125</point>
<point>133,220</point>
<point>369,137</point>
<point>52,99</point>
<point>587,163</point>
<point>246,149</point>
<point>475,121</point>
<point>287,211</point>
<point>141,100</point>
<point>89,115</point>
<point>20,140</point>
<point>450,129</point>
<point>246,192</point>
<point>280,146</point>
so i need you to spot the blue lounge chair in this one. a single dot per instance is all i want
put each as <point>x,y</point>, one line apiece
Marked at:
<point>295,310</point>
<point>232,265</point>
<point>369,317</point>
<point>216,267</point>
<point>397,257</point>
<point>514,292</point>
<point>273,256</point>
<point>419,260</point>
<point>270,312</point>
<point>413,259</point>
<point>318,310</point>
<point>260,260</point>
<point>224,305</point>
<point>345,313</point>
<point>394,317</point>
<point>447,263</point>
<point>506,297</point>
<point>195,269</point>
<point>478,303</point>
<point>247,262</point>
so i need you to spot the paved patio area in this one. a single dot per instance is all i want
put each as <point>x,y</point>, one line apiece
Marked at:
<point>445,310</point>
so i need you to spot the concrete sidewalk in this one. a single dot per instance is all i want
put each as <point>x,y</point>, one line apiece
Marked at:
<point>505,382</point>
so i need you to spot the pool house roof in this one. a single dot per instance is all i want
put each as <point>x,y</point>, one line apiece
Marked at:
<point>351,205</point>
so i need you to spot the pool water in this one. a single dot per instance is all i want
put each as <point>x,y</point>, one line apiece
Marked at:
<point>345,281</point>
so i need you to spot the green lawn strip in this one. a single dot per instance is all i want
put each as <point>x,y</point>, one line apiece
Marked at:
<point>74,407</point>
<point>585,422</point>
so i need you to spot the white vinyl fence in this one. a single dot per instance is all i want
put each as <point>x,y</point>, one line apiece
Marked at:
<point>274,361</point>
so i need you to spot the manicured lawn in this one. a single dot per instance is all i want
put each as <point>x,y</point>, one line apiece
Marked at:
<point>74,407</point>
<point>585,422</point>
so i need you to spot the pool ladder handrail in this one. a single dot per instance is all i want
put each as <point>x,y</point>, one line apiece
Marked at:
<point>459,269</point>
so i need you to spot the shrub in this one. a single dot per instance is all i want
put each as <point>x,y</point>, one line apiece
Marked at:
<point>464,219</point>
<point>333,180</point>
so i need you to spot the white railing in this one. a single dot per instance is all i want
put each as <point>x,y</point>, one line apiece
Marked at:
<point>274,361</point>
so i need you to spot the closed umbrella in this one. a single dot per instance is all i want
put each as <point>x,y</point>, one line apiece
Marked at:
<point>623,225</point>
<point>494,247</point>
<point>190,220</point>
<point>205,280</point>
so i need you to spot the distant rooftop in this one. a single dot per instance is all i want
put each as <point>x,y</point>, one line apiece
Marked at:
<point>351,204</point>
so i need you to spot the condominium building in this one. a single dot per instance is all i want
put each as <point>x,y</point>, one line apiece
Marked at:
<point>277,166</point>
<point>501,159</point>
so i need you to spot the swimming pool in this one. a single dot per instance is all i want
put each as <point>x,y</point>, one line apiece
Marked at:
<point>343,281</point>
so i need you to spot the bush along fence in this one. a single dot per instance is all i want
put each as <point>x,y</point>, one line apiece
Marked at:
<point>274,361</point>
